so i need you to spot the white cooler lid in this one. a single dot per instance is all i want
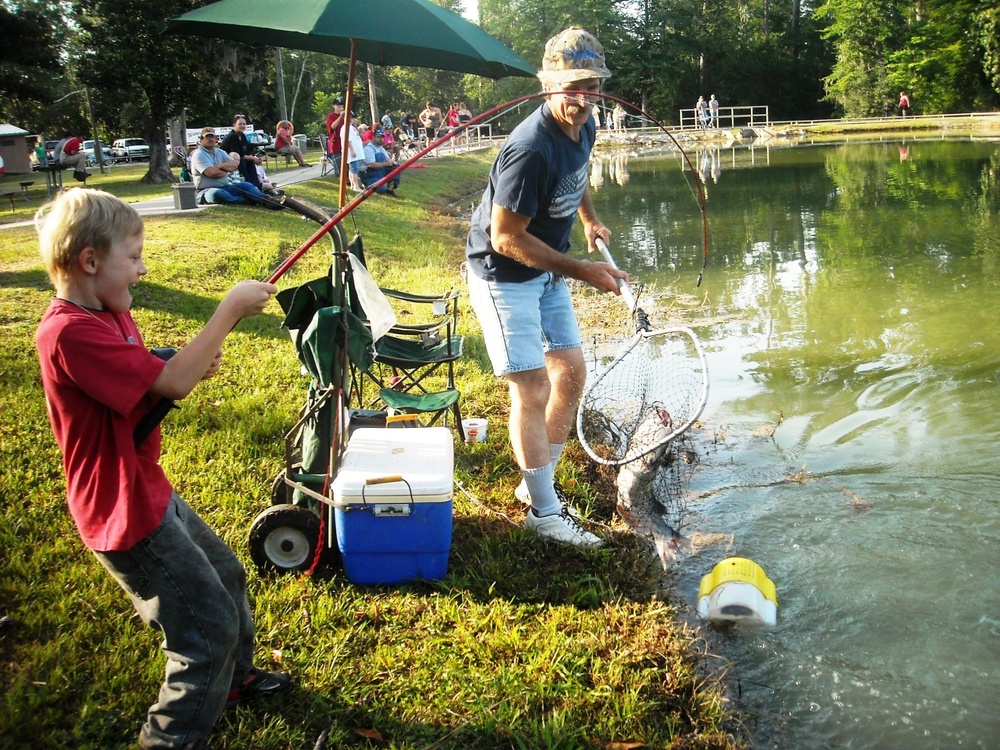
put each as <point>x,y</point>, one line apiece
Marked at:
<point>423,456</point>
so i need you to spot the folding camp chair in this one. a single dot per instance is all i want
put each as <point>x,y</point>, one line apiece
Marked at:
<point>408,147</point>
<point>407,359</point>
<point>414,363</point>
<point>326,161</point>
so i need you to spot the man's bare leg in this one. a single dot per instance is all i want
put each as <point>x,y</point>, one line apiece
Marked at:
<point>543,410</point>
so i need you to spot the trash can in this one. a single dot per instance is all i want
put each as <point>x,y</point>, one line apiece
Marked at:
<point>184,196</point>
<point>300,140</point>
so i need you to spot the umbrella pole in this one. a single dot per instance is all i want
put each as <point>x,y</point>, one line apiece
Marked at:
<point>348,108</point>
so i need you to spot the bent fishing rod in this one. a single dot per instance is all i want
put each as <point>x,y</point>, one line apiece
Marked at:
<point>156,415</point>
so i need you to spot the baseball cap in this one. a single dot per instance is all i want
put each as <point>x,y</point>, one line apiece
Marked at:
<point>573,55</point>
<point>339,100</point>
<point>378,131</point>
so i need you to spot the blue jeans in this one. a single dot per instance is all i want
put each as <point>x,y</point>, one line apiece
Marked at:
<point>521,320</point>
<point>372,175</point>
<point>238,192</point>
<point>186,582</point>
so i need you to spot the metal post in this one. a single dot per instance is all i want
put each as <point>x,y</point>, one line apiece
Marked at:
<point>279,74</point>
<point>372,95</point>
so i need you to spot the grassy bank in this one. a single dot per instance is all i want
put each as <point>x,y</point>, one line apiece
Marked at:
<point>524,644</point>
<point>122,180</point>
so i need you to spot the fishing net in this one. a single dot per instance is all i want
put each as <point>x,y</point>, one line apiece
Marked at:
<point>660,374</point>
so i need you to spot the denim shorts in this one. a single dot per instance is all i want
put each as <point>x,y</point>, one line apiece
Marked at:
<point>523,320</point>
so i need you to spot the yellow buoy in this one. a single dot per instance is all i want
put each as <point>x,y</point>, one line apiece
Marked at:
<point>738,590</point>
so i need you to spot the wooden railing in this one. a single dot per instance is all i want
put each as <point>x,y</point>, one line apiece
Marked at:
<point>729,117</point>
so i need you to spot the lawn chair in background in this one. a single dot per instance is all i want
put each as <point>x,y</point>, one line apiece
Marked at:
<point>326,161</point>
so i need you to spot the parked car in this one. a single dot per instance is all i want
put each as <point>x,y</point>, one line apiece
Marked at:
<point>130,149</point>
<point>50,148</point>
<point>88,147</point>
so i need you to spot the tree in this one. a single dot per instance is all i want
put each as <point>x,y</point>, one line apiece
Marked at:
<point>32,83</point>
<point>144,76</point>
<point>865,33</point>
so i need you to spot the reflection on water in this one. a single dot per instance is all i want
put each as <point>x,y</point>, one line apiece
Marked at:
<point>857,285</point>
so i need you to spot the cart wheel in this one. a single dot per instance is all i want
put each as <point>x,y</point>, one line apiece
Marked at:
<point>283,538</point>
<point>281,493</point>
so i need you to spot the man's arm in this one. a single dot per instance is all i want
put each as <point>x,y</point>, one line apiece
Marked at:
<point>592,226</point>
<point>509,237</point>
<point>215,170</point>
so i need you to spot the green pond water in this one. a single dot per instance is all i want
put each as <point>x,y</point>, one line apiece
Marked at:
<point>849,306</point>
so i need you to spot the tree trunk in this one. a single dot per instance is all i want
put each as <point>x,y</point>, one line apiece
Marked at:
<point>159,166</point>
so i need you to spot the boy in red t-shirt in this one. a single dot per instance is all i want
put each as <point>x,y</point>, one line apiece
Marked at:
<point>100,381</point>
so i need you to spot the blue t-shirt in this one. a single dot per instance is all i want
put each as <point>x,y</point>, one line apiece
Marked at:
<point>542,173</point>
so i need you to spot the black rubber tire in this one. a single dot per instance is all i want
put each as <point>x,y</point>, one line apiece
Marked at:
<point>283,539</point>
<point>281,493</point>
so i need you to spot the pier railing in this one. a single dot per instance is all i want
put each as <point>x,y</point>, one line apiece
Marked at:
<point>729,117</point>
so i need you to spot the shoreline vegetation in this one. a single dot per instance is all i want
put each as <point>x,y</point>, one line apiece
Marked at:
<point>525,643</point>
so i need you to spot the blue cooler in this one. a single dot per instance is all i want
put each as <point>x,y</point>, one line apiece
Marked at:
<point>393,504</point>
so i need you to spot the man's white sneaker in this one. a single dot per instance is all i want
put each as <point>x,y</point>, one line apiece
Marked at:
<point>562,527</point>
<point>522,494</point>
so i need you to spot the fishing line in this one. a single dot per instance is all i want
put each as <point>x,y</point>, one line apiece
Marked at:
<point>489,114</point>
<point>699,186</point>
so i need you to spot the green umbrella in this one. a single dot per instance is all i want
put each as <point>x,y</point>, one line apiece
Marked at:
<point>411,33</point>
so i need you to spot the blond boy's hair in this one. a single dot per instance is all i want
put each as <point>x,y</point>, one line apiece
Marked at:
<point>77,219</point>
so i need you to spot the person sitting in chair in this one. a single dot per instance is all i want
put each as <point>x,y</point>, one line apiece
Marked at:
<point>236,140</point>
<point>283,132</point>
<point>378,164</point>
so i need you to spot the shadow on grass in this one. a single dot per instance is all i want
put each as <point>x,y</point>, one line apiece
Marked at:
<point>492,559</point>
<point>159,298</point>
<point>154,297</point>
<point>28,277</point>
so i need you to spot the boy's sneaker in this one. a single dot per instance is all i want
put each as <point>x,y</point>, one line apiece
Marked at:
<point>258,683</point>
<point>562,527</point>
<point>522,494</point>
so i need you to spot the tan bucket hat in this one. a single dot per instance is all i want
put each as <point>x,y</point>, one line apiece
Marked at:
<point>573,55</point>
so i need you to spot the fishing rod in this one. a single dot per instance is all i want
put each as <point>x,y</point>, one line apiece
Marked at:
<point>699,192</point>
<point>159,412</point>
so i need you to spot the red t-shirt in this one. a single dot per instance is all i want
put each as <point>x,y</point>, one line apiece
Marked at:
<point>97,376</point>
<point>72,146</point>
<point>334,124</point>
<point>282,139</point>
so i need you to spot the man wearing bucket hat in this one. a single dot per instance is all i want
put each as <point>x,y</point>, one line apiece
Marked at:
<point>518,259</point>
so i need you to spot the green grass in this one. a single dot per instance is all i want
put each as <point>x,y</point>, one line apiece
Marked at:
<point>122,180</point>
<point>525,644</point>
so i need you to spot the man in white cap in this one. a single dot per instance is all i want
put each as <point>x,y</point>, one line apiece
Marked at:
<point>518,259</point>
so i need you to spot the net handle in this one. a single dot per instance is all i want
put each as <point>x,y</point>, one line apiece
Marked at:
<point>623,286</point>
<point>641,319</point>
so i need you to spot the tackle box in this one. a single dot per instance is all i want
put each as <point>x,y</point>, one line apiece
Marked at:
<point>393,504</point>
